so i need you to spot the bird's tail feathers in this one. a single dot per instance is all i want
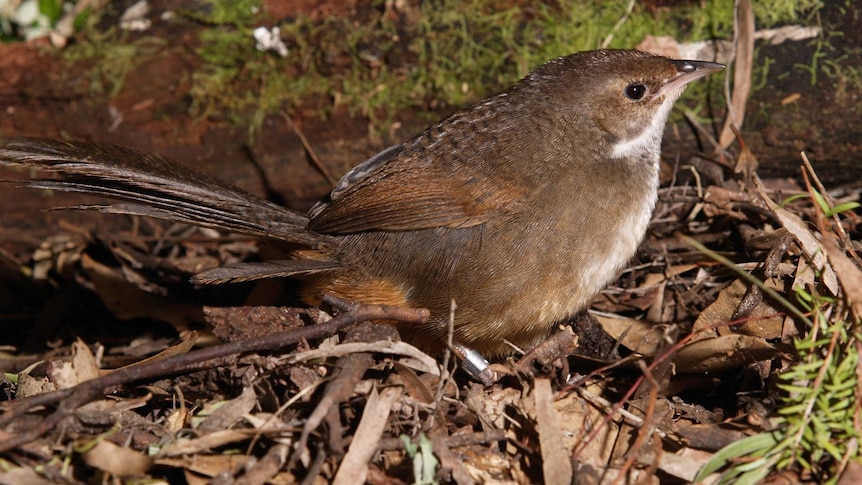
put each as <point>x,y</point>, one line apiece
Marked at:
<point>156,187</point>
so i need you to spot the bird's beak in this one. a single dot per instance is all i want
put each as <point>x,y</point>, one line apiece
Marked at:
<point>688,71</point>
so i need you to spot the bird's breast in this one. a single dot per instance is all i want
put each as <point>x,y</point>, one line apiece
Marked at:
<point>579,239</point>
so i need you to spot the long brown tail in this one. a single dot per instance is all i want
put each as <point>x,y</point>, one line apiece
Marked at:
<point>156,187</point>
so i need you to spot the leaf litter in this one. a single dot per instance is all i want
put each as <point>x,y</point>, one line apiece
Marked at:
<point>677,360</point>
<point>691,378</point>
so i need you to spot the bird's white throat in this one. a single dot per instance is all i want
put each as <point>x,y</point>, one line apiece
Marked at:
<point>646,145</point>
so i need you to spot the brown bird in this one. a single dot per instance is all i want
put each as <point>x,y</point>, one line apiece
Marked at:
<point>521,207</point>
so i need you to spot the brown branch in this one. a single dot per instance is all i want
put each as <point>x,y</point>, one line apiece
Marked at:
<point>349,371</point>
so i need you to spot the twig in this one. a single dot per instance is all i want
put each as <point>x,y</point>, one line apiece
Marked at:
<point>845,238</point>
<point>314,160</point>
<point>608,408</point>
<point>267,467</point>
<point>70,399</point>
<point>743,44</point>
<point>689,116</point>
<point>447,354</point>
<point>745,275</point>
<point>620,22</point>
<point>642,433</point>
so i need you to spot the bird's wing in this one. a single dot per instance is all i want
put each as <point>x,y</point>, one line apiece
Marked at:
<point>407,188</point>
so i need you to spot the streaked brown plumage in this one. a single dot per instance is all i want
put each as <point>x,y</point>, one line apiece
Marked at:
<point>520,207</point>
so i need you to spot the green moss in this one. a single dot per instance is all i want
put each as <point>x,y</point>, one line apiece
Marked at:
<point>457,52</point>
<point>113,57</point>
<point>775,12</point>
<point>448,54</point>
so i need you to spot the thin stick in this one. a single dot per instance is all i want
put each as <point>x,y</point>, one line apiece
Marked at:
<point>314,160</point>
<point>70,399</point>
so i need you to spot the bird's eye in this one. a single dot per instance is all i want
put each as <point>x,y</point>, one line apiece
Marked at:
<point>635,91</point>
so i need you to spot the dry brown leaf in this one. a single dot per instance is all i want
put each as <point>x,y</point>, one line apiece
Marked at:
<point>229,412</point>
<point>848,274</point>
<point>685,464</point>
<point>746,164</point>
<point>653,279</point>
<point>556,460</point>
<point>491,468</point>
<point>413,385</point>
<point>206,442</point>
<point>348,373</point>
<point>808,242</point>
<point>763,320</point>
<point>638,336</point>
<point>33,386</point>
<point>69,373</point>
<point>852,474</point>
<point>185,345</point>
<point>128,301</point>
<point>23,476</point>
<point>790,99</point>
<point>742,68</point>
<point>113,406</point>
<point>723,353</point>
<point>354,467</point>
<point>665,45</point>
<point>207,465</point>
<point>305,377</point>
<point>417,359</point>
<point>490,404</point>
<point>177,419</point>
<point>268,422</point>
<point>580,414</point>
<point>117,460</point>
<point>720,201</point>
